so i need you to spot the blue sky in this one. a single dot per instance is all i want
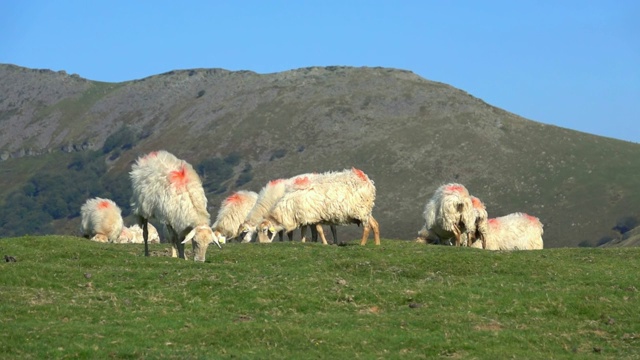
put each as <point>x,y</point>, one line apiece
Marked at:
<point>574,64</point>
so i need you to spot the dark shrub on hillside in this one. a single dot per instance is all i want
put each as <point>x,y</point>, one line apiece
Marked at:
<point>123,139</point>
<point>280,153</point>
<point>625,224</point>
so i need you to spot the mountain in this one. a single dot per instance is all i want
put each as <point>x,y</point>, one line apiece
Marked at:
<point>409,134</point>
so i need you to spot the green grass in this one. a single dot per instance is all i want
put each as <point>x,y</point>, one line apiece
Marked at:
<point>67,297</point>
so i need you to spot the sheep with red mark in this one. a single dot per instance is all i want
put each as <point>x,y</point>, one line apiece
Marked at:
<point>337,198</point>
<point>101,220</point>
<point>267,198</point>
<point>448,214</point>
<point>481,218</point>
<point>517,231</point>
<point>233,211</point>
<point>169,190</point>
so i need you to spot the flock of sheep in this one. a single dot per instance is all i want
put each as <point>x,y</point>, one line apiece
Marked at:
<point>452,214</point>
<point>169,190</point>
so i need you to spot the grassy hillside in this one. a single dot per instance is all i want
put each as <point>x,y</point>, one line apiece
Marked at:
<point>68,297</point>
<point>409,134</point>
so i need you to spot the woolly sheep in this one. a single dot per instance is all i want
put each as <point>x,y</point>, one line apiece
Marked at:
<point>267,198</point>
<point>481,218</point>
<point>339,198</point>
<point>101,220</point>
<point>448,214</point>
<point>169,190</point>
<point>518,231</point>
<point>133,235</point>
<point>233,211</point>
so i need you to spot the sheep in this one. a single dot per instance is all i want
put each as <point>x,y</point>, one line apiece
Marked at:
<point>268,196</point>
<point>133,235</point>
<point>233,211</point>
<point>169,190</point>
<point>517,231</point>
<point>448,214</point>
<point>101,220</point>
<point>338,198</point>
<point>481,217</point>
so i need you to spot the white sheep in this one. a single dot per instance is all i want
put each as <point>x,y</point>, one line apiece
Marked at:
<point>481,218</point>
<point>268,196</point>
<point>101,220</point>
<point>448,214</point>
<point>516,231</point>
<point>233,211</point>
<point>338,198</point>
<point>169,190</point>
<point>133,235</point>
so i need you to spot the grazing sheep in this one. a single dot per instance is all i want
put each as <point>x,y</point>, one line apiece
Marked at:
<point>233,211</point>
<point>448,214</point>
<point>481,218</point>
<point>169,190</point>
<point>101,220</point>
<point>516,231</point>
<point>269,196</point>
<point>338,198</point>
<point>133,235</point>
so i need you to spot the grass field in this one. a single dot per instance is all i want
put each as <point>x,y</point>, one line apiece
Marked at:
<point>66,297</point>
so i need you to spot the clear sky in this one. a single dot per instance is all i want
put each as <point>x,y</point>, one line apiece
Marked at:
<point>574,64</point>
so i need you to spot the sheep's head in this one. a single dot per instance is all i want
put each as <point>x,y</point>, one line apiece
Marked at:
<point>245,232</point>
<point>201,236</point>
<point>266,232</point>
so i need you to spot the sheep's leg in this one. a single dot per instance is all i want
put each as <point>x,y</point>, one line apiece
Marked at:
<point>334,233</point>
<point>290,235</point>
<point>314,234</point>
<point>173,240</point>
<point>145,236</point>
<point>321,233</point>
<point>456,232</point>
<point>303,233</point>
<point>281,235</point>
<point>367,225</point>
<point>376,229</point>
<point>365,234</point>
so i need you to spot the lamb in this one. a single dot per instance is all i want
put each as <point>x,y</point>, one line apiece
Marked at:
<point>517,231</point>
<point>448,214</point>
<point>169,190</point>
<point>133,235</point>
<point>339,198</point>
<point>233,211</point>
<point>101,220</point>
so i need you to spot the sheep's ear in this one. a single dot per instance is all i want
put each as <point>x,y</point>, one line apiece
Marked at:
<point>189,236</point>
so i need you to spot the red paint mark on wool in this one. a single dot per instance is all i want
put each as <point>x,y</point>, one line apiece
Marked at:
<point>494,222</point>
<point>359,173</point>
<point>455,188</point>
<point>531,218</point>
<point>179,178</point>
<point>275,182</point>
<point>234,198</point>
<point>301,181</point>
<point>103,204</point>
<point>477,203</point>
